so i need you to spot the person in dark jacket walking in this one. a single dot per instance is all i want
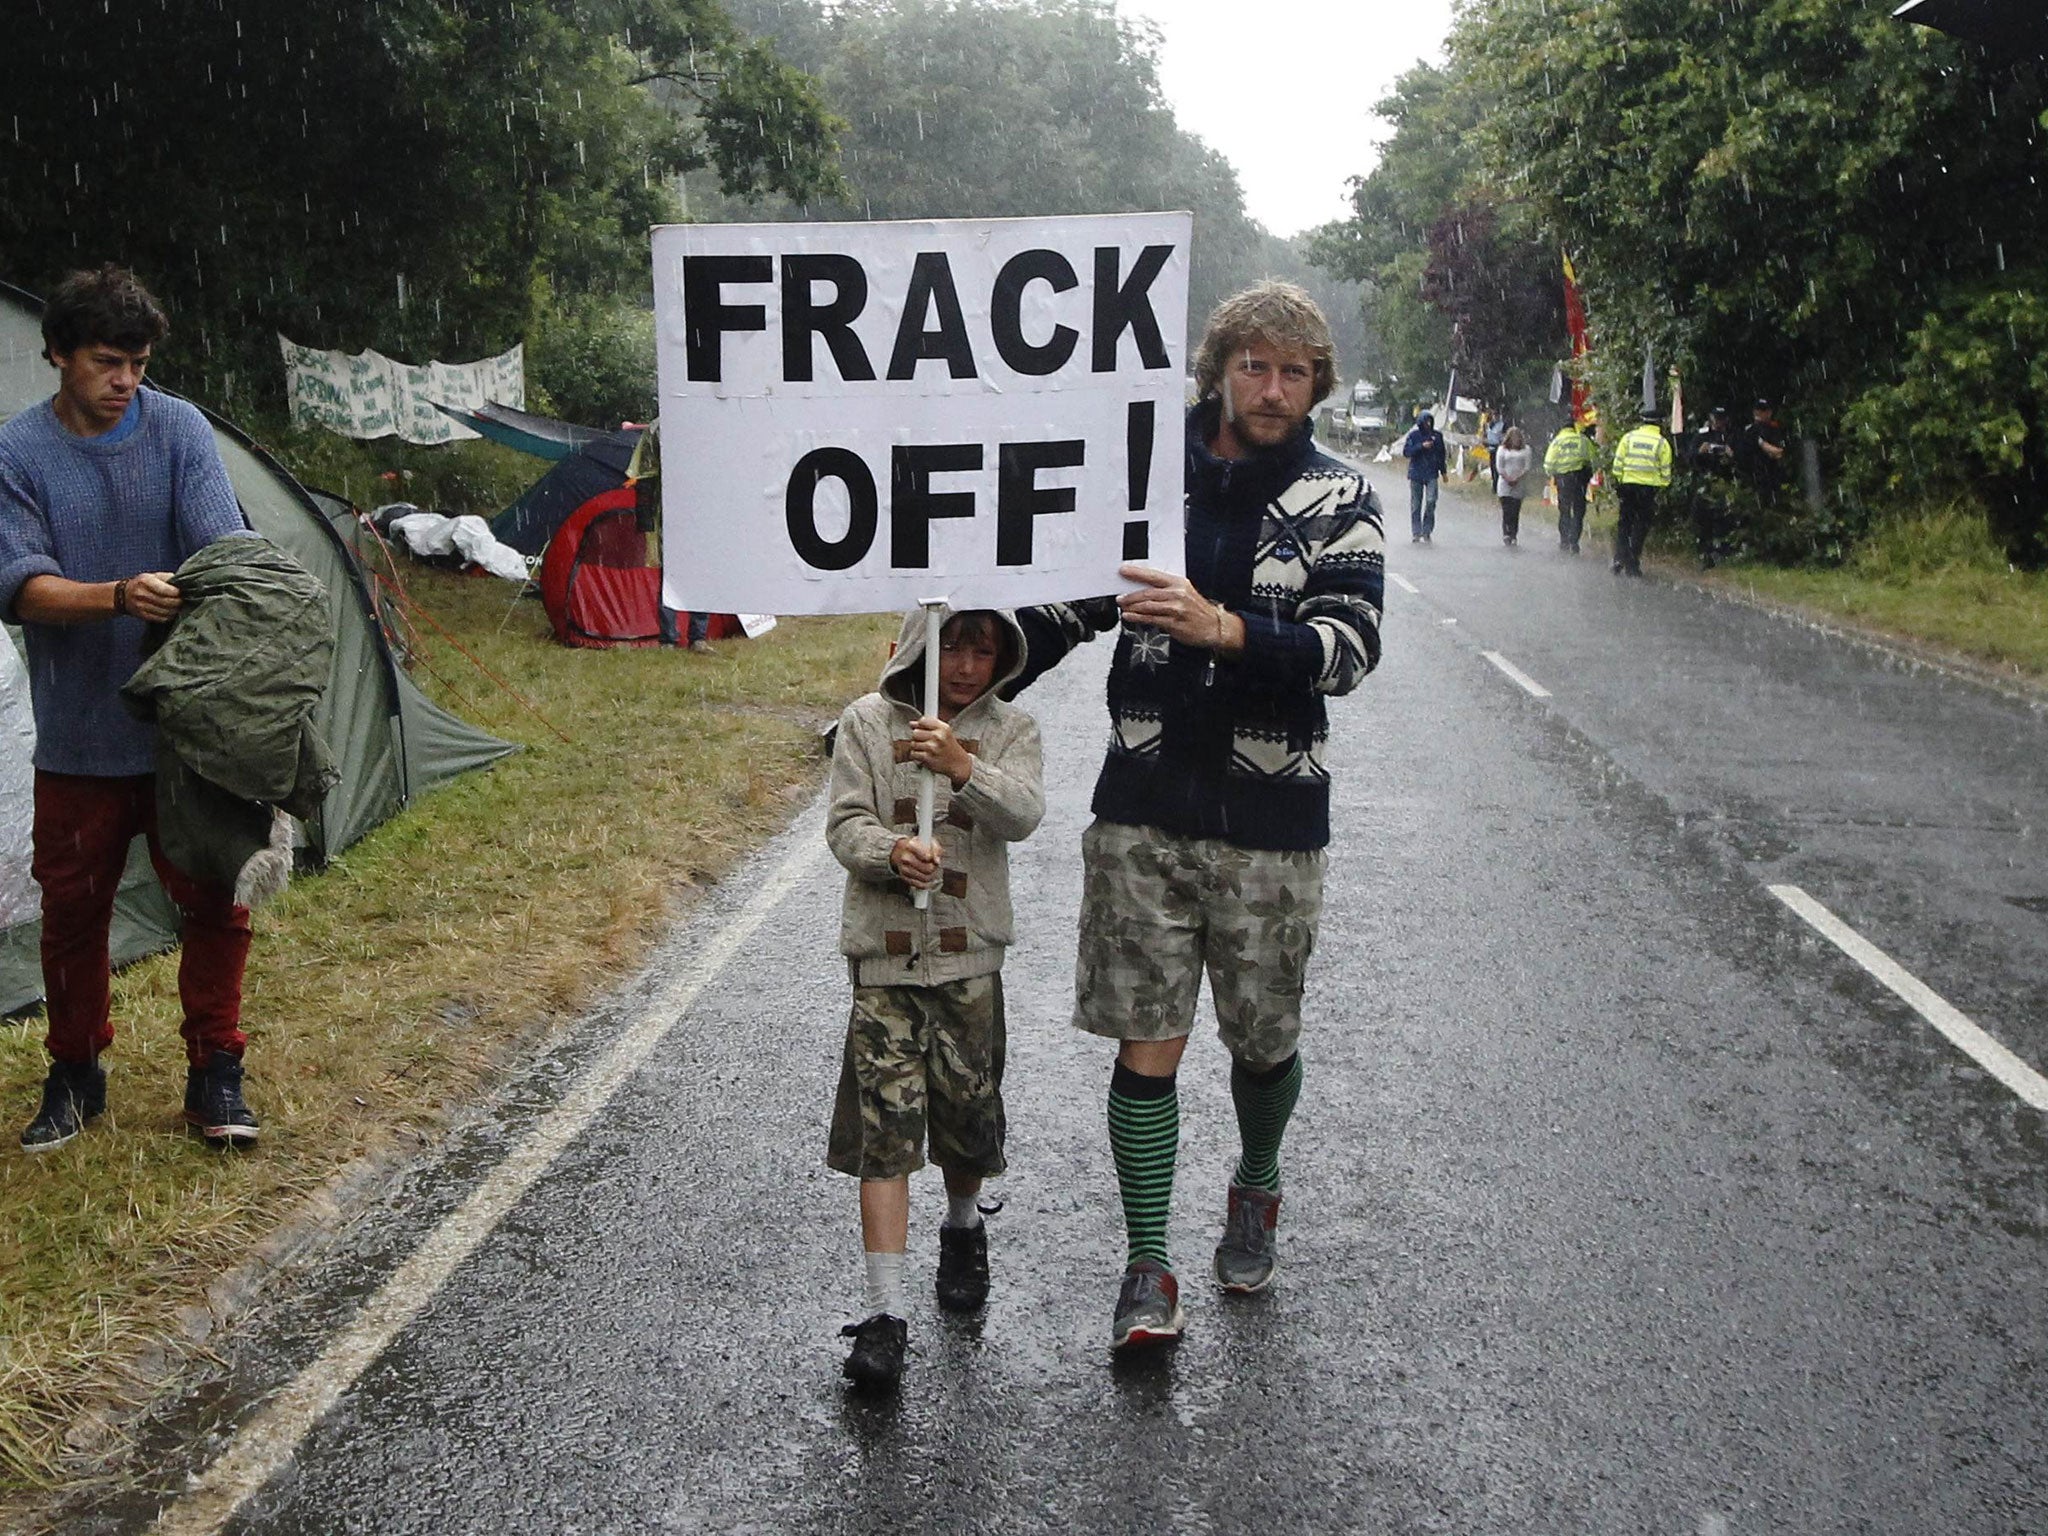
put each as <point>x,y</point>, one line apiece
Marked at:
<point>1424,451</point>
<point>105,489</point>
<point>1213,806</point>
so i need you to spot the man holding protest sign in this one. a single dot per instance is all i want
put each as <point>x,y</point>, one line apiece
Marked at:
<point>1212,808</point>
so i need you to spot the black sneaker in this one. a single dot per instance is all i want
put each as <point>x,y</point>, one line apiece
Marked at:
<point>876,1360</point>
<point>963,1267</point>
<point>213,1101</point>
<point>72,1095</point>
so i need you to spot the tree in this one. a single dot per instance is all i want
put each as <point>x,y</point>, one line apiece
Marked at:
<point>389,175</point>
<point>1450,280</point>
<point>1014,108</point>
<point>1765,192</point>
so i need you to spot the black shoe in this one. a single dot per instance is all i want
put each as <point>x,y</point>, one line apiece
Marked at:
<point>1616,567</point>
<point>876,1360</point>
<point>213,1101</point>
<point>963,1267</point>
<point>72,1095</point>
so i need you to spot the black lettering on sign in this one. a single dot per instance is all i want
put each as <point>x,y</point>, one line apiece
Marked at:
<point>913,503</point>
<point>706,315</point>
<point>1128,307</point>
<point>800,509</point>
<point>802,318</point>
<point>931,287</point>
<point>1020,498</point>
<point>1138,472</point>
<point>1006,312</point>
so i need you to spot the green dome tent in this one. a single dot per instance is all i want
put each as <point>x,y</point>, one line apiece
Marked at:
<point>390,741</point>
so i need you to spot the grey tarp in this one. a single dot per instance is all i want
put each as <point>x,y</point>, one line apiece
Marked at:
<point>390,741</point>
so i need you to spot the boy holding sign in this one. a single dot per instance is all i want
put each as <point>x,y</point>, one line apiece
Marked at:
<point>923,1061</point>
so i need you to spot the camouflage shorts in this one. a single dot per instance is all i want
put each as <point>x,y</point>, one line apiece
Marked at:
<point>1158,909</point>
<point>921,1061</point>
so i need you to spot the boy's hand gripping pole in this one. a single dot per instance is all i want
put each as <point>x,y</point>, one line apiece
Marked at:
<point>927,788</point>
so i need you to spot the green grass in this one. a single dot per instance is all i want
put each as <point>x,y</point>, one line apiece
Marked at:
<point>390,989</point>
<point>1934,577</point>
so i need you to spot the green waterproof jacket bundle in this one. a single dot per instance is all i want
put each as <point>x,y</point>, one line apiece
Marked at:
<point>231,690</point>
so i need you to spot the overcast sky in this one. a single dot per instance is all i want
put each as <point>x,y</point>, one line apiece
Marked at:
<point>1284,89</point>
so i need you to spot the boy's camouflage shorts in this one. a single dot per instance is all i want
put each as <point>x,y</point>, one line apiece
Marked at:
<point>922,1063</point>
<point>1157,909</point>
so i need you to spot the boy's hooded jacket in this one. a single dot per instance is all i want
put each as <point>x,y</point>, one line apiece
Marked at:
<point>964,930</point>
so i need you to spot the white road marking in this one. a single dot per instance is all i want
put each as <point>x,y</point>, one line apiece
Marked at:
<point>1966,1036</point>
<point>1534,689</point>
<point>268,1442</point>
<point>1404,584</point>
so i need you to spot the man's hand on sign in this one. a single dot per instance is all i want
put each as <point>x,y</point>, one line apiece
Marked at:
<point>918,863</point>
<point>933,745</point>
<point>1172,604</point>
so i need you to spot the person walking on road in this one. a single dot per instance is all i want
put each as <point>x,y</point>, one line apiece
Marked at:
<point>1569,462</point>
<point>1424,451</point>
<point>923,1061</point>
<point>1642,468</point>
<point>1212,810</point>
<point>105,490</point>
<point>1511,463</point>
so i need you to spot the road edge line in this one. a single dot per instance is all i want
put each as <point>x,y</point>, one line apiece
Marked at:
<point>268,1442</point>
<point>1963,1033</point>
<point>1528,684</point>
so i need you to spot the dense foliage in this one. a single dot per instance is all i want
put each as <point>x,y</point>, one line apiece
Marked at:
<point>390,175</point>
<point>1804,199</point>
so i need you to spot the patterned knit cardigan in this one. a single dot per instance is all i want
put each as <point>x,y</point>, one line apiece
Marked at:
<point>1233,748</point>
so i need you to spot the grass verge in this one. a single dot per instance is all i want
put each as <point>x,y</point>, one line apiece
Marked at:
<point>1935,578</point>
<point>387,989</point>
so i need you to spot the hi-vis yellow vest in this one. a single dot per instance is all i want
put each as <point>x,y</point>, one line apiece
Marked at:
<point>1568,451</point>
<point>1643,457</point>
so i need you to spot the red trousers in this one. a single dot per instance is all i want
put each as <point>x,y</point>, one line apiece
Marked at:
<point>83,827</point>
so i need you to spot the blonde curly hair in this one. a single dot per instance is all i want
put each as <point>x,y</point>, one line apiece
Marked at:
<point>1273,311</point>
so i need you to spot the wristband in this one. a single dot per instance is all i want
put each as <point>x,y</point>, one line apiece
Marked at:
<point>121,597</point>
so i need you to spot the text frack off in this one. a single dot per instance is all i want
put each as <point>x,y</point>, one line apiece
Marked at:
<point>860,417</point>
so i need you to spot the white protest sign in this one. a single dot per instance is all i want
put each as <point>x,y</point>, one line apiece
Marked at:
<point>862,417</point>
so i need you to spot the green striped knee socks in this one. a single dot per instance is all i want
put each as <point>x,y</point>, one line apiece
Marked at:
<point>1144,1137</point>
<point>1264,1097</point>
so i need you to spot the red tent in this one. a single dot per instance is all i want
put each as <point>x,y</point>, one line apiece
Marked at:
<point>597,585</point>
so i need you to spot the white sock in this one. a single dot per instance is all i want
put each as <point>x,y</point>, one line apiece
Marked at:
<point>885,1283</point>
<point>963,1211</point>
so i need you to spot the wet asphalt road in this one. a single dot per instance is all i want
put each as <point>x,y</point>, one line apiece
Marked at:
<point>1617,1201</point>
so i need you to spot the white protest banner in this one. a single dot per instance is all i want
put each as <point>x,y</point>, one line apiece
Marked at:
<point>864,417</point>
<point>368,395</point>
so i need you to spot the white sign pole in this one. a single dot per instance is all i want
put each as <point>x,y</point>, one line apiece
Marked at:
<point>928,786</point>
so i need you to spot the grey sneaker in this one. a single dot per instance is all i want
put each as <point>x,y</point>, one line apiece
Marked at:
<point>1248,1254</point>
<point>1147,1308</point>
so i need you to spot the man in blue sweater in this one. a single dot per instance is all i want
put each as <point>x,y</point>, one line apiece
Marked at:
<point>105,489</point>
<point>1213,806</point>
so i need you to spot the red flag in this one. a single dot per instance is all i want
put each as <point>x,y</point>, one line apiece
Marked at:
<point>1575,327</point>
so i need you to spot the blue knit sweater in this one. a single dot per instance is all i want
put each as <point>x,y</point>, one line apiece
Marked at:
<point>1291,541</point>
<point>90,510</point>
